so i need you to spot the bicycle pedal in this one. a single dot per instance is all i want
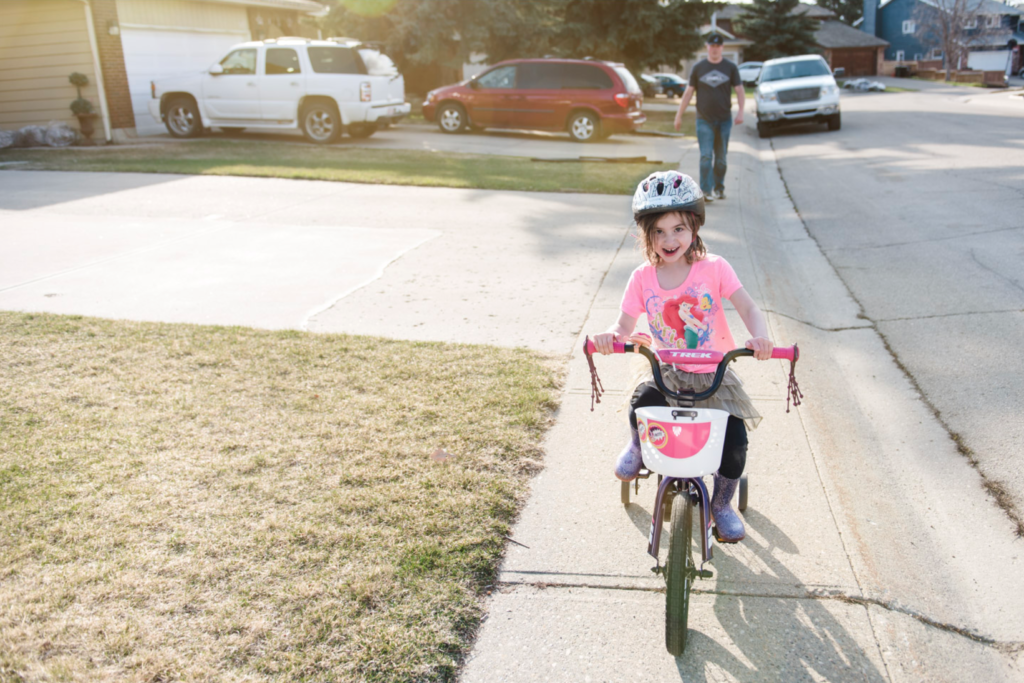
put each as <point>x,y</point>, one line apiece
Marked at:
<point>658,569</point>
<point>705,574</point>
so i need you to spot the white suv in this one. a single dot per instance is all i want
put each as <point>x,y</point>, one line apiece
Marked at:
<point>319,86</point>
<point>795,90</point>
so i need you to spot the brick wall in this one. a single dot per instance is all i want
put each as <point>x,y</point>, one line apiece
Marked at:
<point>115,79</point>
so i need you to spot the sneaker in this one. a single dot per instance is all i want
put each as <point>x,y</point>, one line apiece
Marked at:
<point>719,194</point>
<point>708,199</point>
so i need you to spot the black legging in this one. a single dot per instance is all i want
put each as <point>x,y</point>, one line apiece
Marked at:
<point>734,451</point>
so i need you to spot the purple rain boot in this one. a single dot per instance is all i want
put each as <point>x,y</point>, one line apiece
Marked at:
<point>630,461</point>
<point>728,525</point>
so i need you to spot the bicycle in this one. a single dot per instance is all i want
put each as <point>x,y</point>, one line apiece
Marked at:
<point>682,444</point>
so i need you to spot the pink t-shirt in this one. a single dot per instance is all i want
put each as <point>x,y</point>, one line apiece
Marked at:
<point>689,316</point>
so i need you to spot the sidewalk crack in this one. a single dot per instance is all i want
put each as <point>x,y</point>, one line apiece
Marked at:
<point>1004,646</point>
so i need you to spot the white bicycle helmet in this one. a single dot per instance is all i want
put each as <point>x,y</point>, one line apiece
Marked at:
<point>668,191</point>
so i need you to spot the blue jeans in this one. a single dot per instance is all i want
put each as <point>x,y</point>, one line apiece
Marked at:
<point>713,138</point>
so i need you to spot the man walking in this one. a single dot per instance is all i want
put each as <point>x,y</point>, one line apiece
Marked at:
<point>713,79</point>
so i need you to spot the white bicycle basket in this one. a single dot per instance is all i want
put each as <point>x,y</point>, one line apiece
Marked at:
<point>681,442</point>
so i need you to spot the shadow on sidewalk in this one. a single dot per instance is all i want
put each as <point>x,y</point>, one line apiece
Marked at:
<point>779,638</point>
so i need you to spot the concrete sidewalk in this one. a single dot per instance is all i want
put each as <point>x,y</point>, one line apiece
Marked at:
<point>858,565</point>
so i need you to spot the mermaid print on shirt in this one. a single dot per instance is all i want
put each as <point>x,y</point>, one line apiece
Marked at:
<point>686,321</point>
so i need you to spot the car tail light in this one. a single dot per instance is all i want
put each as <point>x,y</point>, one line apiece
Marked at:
<point>622,99</point>
<point>364,91</point>
<point>152,89</point>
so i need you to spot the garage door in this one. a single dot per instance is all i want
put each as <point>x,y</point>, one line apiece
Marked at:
<point>988,61</point>
<point>151,54</point>
<point>855,61</point>
<point>163,38</point>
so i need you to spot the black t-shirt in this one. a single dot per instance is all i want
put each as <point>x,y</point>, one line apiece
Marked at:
<point>714,84</point>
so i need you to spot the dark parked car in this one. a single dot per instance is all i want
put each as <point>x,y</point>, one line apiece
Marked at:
<point>587,98</point>
<point>671,84</point>
<point>649,85</point>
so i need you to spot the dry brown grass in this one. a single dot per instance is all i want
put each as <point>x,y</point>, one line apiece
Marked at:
<point>201,503</point>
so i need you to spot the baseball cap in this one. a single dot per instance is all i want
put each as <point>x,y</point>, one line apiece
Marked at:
<point>715,39</point>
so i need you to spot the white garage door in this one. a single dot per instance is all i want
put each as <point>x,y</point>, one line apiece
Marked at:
<point>988,61</point>
<point>150,54</point>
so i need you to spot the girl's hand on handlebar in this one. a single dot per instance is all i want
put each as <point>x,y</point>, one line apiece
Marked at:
<point>603,342</point>
<point>761,347</point>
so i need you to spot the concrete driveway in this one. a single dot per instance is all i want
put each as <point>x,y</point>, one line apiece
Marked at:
<point>499,142</point>
<point>511,268</point>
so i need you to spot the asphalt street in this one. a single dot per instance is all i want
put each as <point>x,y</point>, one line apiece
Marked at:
<point>918,203</point>
<point>875,551</point>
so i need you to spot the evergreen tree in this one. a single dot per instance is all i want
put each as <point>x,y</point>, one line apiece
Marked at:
<point>776,30</point>
<point>847,11</point>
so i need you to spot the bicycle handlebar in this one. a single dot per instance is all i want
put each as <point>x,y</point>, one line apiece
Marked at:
<point>691,357</point>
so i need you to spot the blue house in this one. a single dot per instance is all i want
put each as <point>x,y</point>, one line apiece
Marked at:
<point>986,36</point>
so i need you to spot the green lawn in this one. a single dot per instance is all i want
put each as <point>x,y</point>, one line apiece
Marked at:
<point>349,164</point>
<point>663,121</point>
<point>181,502</point>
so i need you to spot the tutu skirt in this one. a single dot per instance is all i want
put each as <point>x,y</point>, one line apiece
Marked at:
<point>730,397</point>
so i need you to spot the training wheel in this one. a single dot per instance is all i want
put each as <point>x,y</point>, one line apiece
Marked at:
<point>743,493</point>
<point>625,492</point>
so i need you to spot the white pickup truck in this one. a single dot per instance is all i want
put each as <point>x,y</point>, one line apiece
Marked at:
<point>322,87</point>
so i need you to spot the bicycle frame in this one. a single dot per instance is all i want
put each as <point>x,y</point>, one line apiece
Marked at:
<point>703,500</point>
<point>695,485</point>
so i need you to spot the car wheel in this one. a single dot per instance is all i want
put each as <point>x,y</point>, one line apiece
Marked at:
<point>451,118</point>
<point>321,122</point>
<point>361,131</point>
<point>834,122</point>
<point>183,119</point>
<point>763,131</point>
<point>584,127</point>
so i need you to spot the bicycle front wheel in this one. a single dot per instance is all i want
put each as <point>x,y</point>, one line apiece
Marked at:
<point>679,572</point>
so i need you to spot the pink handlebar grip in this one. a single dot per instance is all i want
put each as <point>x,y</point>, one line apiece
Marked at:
<point>787,352</point>
<point>617,347</point>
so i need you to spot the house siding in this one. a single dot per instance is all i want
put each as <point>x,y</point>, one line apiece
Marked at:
<point>42,42</point>
<point>185,15</point>
<point>890,27</point>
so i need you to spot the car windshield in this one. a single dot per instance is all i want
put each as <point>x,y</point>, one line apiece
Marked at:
<point>378,63</point>
<point>801,69</point>
<point>627,79</point>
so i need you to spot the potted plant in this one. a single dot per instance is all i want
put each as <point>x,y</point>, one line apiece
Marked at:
<point>82,108</point>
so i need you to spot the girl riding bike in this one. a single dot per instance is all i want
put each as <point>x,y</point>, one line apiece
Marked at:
<point>681,289</point>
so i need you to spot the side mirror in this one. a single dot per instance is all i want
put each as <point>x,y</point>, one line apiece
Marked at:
<point>474,84</point>
<point>216,70</point>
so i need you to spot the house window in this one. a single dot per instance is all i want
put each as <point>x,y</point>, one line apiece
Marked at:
<point>971,23</point>
<point>992,21</point>
<point>909,27</point>
<point>918,56</point>
<point>899,55</point>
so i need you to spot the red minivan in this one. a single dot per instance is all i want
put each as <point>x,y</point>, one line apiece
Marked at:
<point>588,98</point>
